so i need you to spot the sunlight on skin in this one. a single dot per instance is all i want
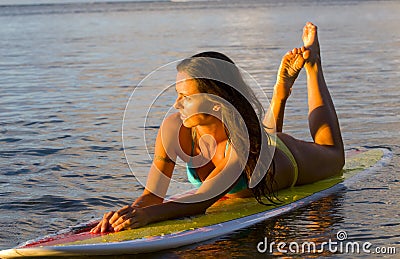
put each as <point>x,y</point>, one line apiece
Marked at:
<point>324,135</point>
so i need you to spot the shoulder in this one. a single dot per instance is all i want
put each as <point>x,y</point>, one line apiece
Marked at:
<point>170,127</point>
<point>174,135</point>
<point>172,120</point>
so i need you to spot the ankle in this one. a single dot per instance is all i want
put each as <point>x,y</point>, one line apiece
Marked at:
<point>279,97</point>
<point>313,65</point>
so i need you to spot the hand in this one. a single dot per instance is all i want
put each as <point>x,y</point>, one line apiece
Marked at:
<point>104,225</point>
<point>129,217</point>
<point>126,218</point>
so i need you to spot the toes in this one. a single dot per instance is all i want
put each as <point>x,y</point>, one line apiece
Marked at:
<point>295,51</point>
<point>311,25</point>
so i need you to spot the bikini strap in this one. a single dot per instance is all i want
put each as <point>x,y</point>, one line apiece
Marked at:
<point>226,147</point>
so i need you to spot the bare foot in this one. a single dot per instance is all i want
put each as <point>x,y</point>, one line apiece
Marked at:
<point>311,44</point>
<point>291,65</point>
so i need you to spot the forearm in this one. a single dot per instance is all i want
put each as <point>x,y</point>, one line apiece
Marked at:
<point>172,210</point>
<point>181,208</point>
<point>147,199</point>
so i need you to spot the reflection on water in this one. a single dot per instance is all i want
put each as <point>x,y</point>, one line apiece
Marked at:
<point>67,74</point>
<point>314,223</point>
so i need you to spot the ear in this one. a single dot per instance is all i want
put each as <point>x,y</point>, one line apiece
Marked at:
<point>216,107</point>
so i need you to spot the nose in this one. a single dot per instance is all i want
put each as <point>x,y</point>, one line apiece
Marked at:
<point>178,103</point>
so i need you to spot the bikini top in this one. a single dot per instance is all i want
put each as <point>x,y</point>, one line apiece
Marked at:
<point>194,178</point>
<point>242,183</point>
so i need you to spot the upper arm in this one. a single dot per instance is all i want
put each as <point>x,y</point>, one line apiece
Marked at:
<point>165,154</point>
<point>219,181</point>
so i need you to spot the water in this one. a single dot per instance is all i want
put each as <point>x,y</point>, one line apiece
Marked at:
<point>67,72</point>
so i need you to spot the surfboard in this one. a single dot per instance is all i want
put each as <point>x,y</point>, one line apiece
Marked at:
<point>225,216</point>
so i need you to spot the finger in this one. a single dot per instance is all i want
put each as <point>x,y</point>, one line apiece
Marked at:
<point>108,215</point>
<point>95,228</point>
<point>126,224</point>
<point>119,213</point>
<point>123,218</point>
<point>104,223</point>
<point>133,224</point>
<point>104,226</point>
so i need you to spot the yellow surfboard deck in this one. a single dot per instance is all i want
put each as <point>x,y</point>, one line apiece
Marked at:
<point>229,209</point>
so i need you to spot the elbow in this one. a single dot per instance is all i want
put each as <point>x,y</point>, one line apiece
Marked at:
<point>201,209</point>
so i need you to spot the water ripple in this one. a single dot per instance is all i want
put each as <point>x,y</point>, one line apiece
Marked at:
<point>10,140</point>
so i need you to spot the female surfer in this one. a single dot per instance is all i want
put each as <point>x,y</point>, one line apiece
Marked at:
<point>228,150</point>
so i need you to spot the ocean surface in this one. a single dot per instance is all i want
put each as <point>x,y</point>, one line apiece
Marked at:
<point>67,72</point>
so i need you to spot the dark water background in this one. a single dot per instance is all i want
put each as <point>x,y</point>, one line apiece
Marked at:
<point>67,72</point>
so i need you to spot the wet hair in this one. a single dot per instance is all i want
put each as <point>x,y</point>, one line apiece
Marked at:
<point>216,74</point>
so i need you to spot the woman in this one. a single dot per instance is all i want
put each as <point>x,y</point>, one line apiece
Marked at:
<point>217,132</point>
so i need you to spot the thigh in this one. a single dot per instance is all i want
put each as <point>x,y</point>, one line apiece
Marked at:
<point>315,162</point>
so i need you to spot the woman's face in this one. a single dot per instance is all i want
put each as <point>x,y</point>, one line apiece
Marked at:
<point>194,108</point>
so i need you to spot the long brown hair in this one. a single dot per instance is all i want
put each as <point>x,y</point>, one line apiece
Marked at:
<point>216,74</point>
